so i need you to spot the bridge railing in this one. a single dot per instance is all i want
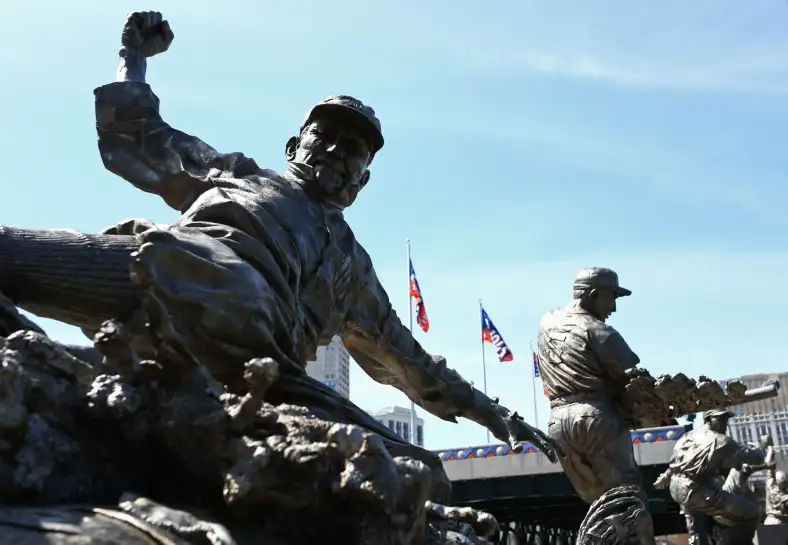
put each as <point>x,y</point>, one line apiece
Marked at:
<point>652,446</point>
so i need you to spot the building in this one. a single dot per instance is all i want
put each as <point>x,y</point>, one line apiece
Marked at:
<point>766,406</point>
<point>332,367</point>
<point>766,417</point>
<point>398,420</point>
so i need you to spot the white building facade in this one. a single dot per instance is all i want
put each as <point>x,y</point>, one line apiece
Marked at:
<point>332,367</point>
<point>767,417</point>
<point>398,420</point>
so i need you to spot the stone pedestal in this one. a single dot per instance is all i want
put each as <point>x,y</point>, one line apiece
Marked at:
<point>776,534</point>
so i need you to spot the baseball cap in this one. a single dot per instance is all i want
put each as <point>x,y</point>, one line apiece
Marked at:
<point>599,278</point>
<point>716,413</point>
<point>354,111</point>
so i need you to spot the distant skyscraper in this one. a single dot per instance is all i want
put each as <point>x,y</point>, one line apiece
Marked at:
<point>397,419</point>
<point>332,367</point>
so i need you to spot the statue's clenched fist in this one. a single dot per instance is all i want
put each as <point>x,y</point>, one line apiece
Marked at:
<point>147,32</point>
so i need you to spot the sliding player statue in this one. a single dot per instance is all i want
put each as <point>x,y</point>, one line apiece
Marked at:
<point>268,258</point>
<point>259,264</point>
<point>776,490</point>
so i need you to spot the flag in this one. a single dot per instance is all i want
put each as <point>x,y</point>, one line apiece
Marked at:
<point>490,334</point>
<point>415,293</point>
<point>537,374</point>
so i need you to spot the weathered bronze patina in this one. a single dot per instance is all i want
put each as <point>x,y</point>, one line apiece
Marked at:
<point>196,393</point>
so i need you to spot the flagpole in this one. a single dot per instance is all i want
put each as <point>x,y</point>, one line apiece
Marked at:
<point>410,310</point>
<point>484,362</point>
<point>533,382</point>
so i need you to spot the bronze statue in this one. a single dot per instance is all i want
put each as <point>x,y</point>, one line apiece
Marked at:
<point>776,489</point>
<point>584,362</point>
<point>258,264</point>
<point>693,478</point>
<point>598,393</point>
<point>202,330</point>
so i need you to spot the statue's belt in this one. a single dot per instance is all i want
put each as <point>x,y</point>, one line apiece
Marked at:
<point>584,397</point>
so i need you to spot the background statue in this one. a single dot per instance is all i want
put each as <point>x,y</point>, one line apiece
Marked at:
<point>694,479</point>
<point>776,489</point>
<point>583,363</point>
<point>598,393</point>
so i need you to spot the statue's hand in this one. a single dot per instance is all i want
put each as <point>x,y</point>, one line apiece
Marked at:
<point>147,32</point>
<point>663,481</point>
<point>523,432</point>
<point>509,427</point>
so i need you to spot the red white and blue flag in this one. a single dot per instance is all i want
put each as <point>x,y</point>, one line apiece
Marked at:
<point>537,374</point>
<point>491,335</point>
<point>415,293</point>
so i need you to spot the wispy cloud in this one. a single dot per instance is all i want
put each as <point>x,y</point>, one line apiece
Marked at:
<point>756,78</point>
<point>703,47</point>
<point>685,172</point>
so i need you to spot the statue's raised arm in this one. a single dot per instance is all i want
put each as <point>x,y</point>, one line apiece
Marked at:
<point>134,141</point>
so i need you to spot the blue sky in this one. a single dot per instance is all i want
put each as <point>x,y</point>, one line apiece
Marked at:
<point>523,143</point>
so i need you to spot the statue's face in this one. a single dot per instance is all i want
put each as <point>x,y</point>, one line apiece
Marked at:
<point>339,155</point>
<point>719,424</point>
<point>781,480</point>
<point>602,303</point>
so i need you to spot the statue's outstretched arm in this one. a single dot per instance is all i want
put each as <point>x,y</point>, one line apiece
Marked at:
<point>735,455</point>
<point>614,353</point>
<point>388,353</point>
<point>134,141</point>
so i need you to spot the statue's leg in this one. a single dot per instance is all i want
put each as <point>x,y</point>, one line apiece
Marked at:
<point>560,428</point>
<point>76,526</point>
<point>600,463</point>
<point>598,449</point>
<point>736,517</point>
<point>68,276</point>
<point>329,405</point>
<point>697,530</point>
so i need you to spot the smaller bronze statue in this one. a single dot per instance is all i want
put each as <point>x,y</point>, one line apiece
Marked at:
<point>695,482</point>
<point>598,393</point>
<point>776,490</point>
